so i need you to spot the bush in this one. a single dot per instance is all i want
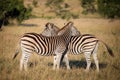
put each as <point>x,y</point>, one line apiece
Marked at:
<point>109,8</point>
<point>14,9</point>
<point>60,9</point>
<point>88,6</point>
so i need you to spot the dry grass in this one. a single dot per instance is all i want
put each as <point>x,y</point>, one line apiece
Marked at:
<point>105,30</point>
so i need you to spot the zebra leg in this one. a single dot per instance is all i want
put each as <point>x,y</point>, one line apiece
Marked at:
<point>27,55</point>
<point>58,58</point>
<point>95,57</point>
<point>88,59</point>
<point>67,61</point>
<point>24,60</point>
<point>21,63</point>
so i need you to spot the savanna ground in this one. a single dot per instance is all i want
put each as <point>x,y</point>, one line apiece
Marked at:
<point>40,67</point>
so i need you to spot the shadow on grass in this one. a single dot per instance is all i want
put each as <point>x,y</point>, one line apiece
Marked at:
<point>28,25</point>
<point>73,64</point>
<point>80,64</point>
<point>83,64</point>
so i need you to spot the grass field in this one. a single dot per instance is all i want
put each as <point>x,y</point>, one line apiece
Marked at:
<point>40,67</point>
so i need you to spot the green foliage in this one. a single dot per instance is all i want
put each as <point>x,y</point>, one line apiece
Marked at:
<point>11,9</point>
<point>54,3</point>
<point>64,14</point>
<point>24,14</point>
<point>109,8</point>
<point>35,3</point>
<point>88,6</point>
<point>61,9</point>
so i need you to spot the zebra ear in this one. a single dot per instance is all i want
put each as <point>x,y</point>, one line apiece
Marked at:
<point>47,25</point>
<point>70,23</point>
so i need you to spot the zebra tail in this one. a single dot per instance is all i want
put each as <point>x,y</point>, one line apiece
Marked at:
<point>16,53</point>
<point>108,48</point>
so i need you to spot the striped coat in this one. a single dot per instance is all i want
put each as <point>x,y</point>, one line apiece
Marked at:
<point>87,44</point>
<point>45,46</point>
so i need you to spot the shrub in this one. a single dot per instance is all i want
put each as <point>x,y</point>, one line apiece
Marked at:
<point>14,9</point>
<point>109,8</point>
<point>88,6</point>
<point>60,9</point>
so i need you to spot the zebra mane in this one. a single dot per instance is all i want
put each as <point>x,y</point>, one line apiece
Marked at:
<point>52,25</point>
<point>56,28</point>
<point>65,28</point>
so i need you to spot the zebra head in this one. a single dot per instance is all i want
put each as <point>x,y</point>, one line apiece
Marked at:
<point>50,30</point>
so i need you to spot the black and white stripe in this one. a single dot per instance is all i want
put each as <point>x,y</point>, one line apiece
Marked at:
<point>87,44</point>
<point>45,46</point>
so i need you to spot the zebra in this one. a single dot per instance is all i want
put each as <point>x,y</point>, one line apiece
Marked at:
<point>45,46</point>
<point>51,30</point>
<point>84,43</point>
